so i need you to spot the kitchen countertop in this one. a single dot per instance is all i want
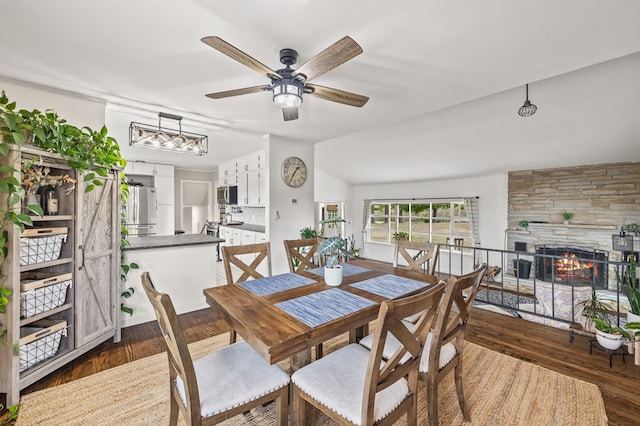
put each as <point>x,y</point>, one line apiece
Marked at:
<point>157,241</point>
<point>246,227</point>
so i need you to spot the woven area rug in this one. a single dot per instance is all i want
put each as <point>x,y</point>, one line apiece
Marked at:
<point>500,390</point>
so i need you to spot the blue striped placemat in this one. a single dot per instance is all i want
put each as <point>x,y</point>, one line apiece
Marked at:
<point>327,305</point>
<point>389,286</point>
<point>347,269</point>
<point>269,285</point>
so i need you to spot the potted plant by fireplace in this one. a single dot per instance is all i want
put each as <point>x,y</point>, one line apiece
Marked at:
<point>567,216</point>
<point>608,336</point>
<point>335,251</point>
<point>628,283</point>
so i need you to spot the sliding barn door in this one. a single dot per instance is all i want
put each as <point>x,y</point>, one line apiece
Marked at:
<point>97,274</point>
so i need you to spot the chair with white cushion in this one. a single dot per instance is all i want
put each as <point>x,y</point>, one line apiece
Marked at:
<point>445,342</point>
<point>219,385</point>
<point>353,385</point>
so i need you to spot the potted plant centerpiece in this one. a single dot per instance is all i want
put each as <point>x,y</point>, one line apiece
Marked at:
<point>336,251</point>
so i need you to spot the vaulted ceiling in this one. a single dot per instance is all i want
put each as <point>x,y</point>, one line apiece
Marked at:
<point>445,78</point>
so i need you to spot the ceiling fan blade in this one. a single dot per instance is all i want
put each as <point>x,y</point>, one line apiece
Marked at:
<point>237,92</point>
<point>290,114</point>
<point>333,56</point>
<point>336,95</point>
<point>237,54</point>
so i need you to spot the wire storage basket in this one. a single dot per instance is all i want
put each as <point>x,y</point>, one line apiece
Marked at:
<point>43,292</point>
<point>40,341</point>
<point>38,245</point>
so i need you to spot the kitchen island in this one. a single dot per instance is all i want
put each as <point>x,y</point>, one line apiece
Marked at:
<point>180,265</point>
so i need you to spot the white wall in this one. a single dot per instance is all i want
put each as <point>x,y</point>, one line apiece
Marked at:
<point>492,205</point>
<point>78,110</point>
<point>283,220</point>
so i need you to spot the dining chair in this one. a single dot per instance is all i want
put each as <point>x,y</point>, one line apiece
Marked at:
<point>353,385</point>
<point>302,252</point>
<point>220,385</point>
<point>242,263</point>
<point>445,342</point>
<point>420,257</point>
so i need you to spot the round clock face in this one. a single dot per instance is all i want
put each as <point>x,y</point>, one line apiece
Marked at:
<point>294,172</point>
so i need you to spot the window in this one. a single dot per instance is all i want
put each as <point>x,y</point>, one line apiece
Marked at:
<point>435,221</point>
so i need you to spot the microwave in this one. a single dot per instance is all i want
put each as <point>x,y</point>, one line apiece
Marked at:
<point>227,195</point>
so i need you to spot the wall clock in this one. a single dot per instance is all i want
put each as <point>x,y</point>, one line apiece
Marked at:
<point>294,172</point>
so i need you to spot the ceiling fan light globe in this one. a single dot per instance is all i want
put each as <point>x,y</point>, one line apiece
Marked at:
<point>287,100</point>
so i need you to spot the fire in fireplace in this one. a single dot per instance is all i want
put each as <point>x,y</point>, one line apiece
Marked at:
<point>575,265</point>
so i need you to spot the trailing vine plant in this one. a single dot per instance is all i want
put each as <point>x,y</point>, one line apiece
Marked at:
<point>92,152</point>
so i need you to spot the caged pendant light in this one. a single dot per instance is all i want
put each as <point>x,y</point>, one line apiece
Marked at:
<point>165,139</point>
<point>528,109</point>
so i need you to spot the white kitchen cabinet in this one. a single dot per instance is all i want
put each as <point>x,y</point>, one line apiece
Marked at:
<point>256,188</point>
<point>166,220</point>
<point>243,190</point>
<point>165,189</point>
<point>256,161</point>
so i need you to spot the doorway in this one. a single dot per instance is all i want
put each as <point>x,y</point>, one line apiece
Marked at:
<point>195,202</point>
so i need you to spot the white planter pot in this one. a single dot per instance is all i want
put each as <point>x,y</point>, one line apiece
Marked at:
<point>333,276</point>
<point>609,341</point>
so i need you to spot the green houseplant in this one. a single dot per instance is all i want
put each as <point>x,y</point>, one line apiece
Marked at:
<point>335,251</point>
<point>92,153</point>
<point>628,283</point>
<point>524,224</point>
<point>567,216</point>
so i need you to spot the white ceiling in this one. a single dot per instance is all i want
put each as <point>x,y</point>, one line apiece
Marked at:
<point>444,77</point>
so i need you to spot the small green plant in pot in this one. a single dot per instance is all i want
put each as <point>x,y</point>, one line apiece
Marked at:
<point>524,224</point>
<point>335,251</point>
<point>567,216</point>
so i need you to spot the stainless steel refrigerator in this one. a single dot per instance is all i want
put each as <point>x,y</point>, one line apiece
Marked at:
<point>141,211</point>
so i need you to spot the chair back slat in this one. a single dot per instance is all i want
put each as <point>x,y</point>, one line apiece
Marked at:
<point>452,324</point>
<point>180,363</point>
<point>302,252</point>
<point>247,259</point>
<point>420,257</point>
<point>405,360</point>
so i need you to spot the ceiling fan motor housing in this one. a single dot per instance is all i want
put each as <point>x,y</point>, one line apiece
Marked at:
<point>288,56</point>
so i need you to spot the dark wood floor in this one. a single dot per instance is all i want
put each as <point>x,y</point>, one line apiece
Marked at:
<point>544,346</point>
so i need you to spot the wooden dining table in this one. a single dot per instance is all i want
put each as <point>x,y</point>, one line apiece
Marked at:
<point>284,316</point>
<point>262,320</point>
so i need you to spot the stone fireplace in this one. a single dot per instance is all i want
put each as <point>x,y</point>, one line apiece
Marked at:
<point>602,197</point>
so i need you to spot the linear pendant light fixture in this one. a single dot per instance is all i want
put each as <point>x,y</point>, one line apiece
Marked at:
<point>145,135</point>
<point>528,109</point>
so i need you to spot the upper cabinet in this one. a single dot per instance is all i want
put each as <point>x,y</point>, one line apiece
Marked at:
<point>256,161</point>
<point>249,175</point>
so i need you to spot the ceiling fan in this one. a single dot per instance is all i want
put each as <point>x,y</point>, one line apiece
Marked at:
<point>288,84</point>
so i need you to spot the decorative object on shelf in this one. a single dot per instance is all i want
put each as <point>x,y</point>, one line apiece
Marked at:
<point>145,135</point>
<point>39,184</point>
<point>622,241</point>
<point>294,172</point>
<point>528,109</point>
<point>524,224</point>
<point>567,216</point>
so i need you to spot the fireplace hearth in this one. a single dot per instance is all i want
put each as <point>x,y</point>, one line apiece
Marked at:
<point>572,265</point>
